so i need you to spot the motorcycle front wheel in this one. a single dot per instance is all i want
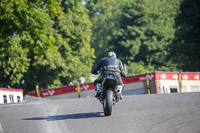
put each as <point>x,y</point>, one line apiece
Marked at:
<point>108,103</point>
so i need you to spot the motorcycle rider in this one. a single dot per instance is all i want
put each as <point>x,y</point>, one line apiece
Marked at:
<point>109,65</point>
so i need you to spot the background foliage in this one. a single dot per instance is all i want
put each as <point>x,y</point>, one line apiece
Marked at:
<point>139,31</point>
<point>186,45</point>
<point>54,42</point>
<point>44,42</point>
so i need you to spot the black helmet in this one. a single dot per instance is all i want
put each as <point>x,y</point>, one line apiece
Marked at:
<point>111,54</point>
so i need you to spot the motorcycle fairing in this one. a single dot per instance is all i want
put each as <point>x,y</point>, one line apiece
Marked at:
<point>110,81</point>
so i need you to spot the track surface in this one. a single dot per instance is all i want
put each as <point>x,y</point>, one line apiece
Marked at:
<point>171,113</point>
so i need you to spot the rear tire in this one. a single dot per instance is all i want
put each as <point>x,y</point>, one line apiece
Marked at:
<point>108,103</point>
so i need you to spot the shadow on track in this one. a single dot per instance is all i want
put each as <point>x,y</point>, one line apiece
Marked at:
<point>69,116</point>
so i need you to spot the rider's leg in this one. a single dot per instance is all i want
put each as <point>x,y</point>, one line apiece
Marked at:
<point>97,84</point>
<point>120,83</point>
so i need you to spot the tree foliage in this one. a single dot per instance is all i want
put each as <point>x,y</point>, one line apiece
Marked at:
<point>185,48</point>
<point>51,42</point>
<point>24,27</point>
<point>45,42</point>
<point>136,68</point>
<point>105,16</point>
<point>140,31</point>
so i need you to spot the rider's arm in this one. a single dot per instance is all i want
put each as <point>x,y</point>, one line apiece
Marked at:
<point>123,74</point>
<point>97,67</point>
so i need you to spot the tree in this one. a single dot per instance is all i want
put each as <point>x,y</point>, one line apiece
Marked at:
<point>45,42</point>
<point>185,48</point>
<point>105,17</point>
<point>72,56</point>
<point>23,36</point>
<point>146,32</point>
<point>140,31</point>
<point>75,28</point>
<point>136,69</point>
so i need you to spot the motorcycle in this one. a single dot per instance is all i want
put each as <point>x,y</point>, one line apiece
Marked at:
<point>110,93</point>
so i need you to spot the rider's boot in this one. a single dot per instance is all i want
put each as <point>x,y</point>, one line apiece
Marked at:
<point>98,89</point>
<point>119,91</point>
<point>121,88</point>
<point>121,97</point>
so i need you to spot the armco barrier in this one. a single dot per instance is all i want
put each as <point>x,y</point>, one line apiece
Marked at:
<point>127,81</point>
<point>63,90</point>
<point>85,87</point>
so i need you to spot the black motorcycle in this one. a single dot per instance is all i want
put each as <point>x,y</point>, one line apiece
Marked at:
<point>110,94</point>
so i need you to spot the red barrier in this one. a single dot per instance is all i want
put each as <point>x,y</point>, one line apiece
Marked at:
<point>138,78</point>
<point>63,90</point>
<point>127,80</point>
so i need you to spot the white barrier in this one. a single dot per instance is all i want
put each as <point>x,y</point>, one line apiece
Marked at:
<point>10,95</point>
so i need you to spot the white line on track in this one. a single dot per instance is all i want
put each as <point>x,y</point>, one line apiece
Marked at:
<point>1,128</point>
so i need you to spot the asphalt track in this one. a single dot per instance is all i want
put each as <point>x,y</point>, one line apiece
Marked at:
<point>167,113</point>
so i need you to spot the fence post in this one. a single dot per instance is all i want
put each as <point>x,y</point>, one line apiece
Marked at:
<point>37,90</point>
<point>180,82</point>
<point>78,86</point>
<point>148,88</point>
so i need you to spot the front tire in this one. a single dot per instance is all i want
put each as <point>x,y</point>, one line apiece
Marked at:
<point>108,103</point>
